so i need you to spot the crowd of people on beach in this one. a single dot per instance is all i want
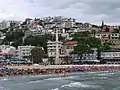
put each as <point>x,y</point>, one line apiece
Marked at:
<point>13,72</point>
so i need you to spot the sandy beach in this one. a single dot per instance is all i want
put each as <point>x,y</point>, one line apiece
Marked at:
<point>54,69</point>
<point>25,67</point>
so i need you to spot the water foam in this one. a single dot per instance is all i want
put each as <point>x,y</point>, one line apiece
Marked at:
<point>2,88</point>
<point>54,78</point>
<point>4,79</point>
<point>31,82</point>
<point>105,74</point>
<point>75,84</point>
<point>55,89</point>
<point>78,85</point>
<point>60,78</point>
<point>101,77</point>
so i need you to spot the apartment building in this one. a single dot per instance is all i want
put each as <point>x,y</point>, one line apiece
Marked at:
<point>114,36</point>
<point>69,23</point>
<point>4,24</point>
<point>49,25</point>
<point>82,27</point>
<point>85,58</point>
<point>35,31</point>
<point>24,51</point>
<point>51,48</point>
<point>6,50</point>
<point>111,57</point>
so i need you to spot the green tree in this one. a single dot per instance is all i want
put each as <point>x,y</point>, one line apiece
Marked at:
<point>107,29</point>
<point>106,46</point>
<point>37,54</point>
<point>11,36</point>
<point>93,32</point>
<point>67,60</point>
<point>81,34</point>
<point>85,44</point>
<point>17,42</point>
<point>39,40</point>
<point>116,30</point>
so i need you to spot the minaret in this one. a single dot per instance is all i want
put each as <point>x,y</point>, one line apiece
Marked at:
<point>102,24</point>
<point>57,48</point>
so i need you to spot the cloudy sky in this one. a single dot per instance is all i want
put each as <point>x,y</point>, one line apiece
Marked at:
<point>93,11</point>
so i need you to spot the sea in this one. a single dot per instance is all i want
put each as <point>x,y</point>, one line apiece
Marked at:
<point>73,81</point>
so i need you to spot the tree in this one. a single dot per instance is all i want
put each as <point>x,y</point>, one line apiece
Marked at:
<point>11,36</point>
<point>41,40</point>
<point>93,32</point>
<point>106,46</point>
<point>37,54</point>
<point>85,44</point>
<point>67,60</point>
<point>107,29</point>
<point>81,34</point>
<point>116,30</point>
<point>17,42</point>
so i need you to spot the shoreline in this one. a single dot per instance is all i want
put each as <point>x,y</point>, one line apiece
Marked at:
<point>52,70</point>
<point>26,67</point>
<point>58,75</point>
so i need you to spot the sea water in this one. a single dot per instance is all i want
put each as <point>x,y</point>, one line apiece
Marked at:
<point>74,81</point>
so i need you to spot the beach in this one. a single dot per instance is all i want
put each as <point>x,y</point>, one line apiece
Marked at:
<point>54,69</point>
<point>74,81</point>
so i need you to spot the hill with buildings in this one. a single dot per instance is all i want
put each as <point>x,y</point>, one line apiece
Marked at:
<point>79,43</point>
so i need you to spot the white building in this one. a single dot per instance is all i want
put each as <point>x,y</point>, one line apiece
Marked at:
<point>49,25</point>
<point>107,35</point>
<point>24,51</point>
<point>35,31</point>
<point>4,24</point>
<point>102,35</point>
<point>2,37</point>
<point>115,36</point>
<point>111,57</point>
<point>21,52</point>
<point>68,24</point>
<point>51,48</point>
<point>8,50</point>
<point>82,27</point>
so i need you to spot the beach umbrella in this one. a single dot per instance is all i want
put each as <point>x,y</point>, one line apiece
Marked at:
<point>35,64</point>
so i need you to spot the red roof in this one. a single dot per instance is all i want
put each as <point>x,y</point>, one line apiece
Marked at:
<point>71,43</point>
<point>110,29</point>
<point>105,38</point>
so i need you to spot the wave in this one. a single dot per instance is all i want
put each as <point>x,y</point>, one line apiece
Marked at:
<point>2,88</point>
<point>4,79</point>
<point>100,77</point>
<point>74,84</point>
<point>77,85</point>
<point>105,74</point>
<point>54,78</point>
<point>55,89</point>
<point>91,72</point>
<point>61,78</point>
<point>31,82</point>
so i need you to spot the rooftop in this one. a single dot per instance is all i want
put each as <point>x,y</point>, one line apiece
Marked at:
<point>71,43</point>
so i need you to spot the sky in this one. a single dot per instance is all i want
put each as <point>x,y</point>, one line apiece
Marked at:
<point>92,11</point>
